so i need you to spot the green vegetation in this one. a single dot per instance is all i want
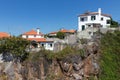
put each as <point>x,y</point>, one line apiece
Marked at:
<point>50,55</point>
<point>113,23</point>
<point>64,53</point>
<point>110,56</point>
<point>14,45</point>
<point>83,41</point>
<point>60,35</point>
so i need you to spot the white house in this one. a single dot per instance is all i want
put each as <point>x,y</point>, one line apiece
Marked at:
<point>38,37</point>
<point>33,34</point>
<point>88,22</point>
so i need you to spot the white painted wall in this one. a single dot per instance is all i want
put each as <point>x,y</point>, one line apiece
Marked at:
<point>24,36</point>
<point>52,34</point>
<point>89,21</point>
<point>39,36</point>
<point>48,46</point>
<point>31,36</point>
<point>97,21</point>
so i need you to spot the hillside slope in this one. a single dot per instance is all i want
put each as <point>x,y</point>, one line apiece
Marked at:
<point>110,56</point>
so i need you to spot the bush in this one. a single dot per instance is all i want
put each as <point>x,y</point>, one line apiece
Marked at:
<point>60,35</point>
<point>15,46</point>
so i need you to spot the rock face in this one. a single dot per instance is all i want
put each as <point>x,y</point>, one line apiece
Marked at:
<point>73,67</point>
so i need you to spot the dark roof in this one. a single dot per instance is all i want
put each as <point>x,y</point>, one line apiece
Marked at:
<point>94,13</point>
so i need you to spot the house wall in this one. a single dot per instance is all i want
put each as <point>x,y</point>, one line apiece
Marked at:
<point>89,21</point>
<point>104,22</point>
<point>47,45</point>
<point>39,36</point>
<point>85,26</point>
<point>24,36</point>
<point>52,34</point>
<point>32,36</point>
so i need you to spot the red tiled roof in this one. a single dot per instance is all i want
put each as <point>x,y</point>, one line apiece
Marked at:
<point>64,31</point>
<point>72,31</point>
<point>4,34</point>
<point>67,31</point>
<point>32,32</point>
<point>94,13</point>
<point>53,32</point>
<point>37,39</point>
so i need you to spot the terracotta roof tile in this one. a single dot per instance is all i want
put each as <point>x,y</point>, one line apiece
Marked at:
<point>72,31</point>
<point>32,32</point>
<point>64,31</point>
<point>4,34</point>
<point>53,32</point>
<point>37,39</point>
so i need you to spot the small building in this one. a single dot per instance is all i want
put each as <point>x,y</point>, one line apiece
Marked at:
<point>48,45</point>
<point>67,32</point>
<point>90,22</point>
<point>38,40</point>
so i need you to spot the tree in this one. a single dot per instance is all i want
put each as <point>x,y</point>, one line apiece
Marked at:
<point>113,23</point>
<point>15,46</point>
<point>60,35</point>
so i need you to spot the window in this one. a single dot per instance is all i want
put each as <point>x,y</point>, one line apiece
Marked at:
<point>42,45</point>
<point>89,25</point>
<point>108,21</point>
<point>101,25</point>
<point>83,27</point>
<point>102,19</point>
<point>51,45</point>
<point>83,19</point>
<point>93,17</point>
<point>26,36</point>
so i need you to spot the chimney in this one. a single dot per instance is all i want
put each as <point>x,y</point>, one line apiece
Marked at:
<point>38,30</point>
<point>99,11</point>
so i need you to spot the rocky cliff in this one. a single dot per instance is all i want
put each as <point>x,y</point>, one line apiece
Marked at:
<point>40,67</point>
